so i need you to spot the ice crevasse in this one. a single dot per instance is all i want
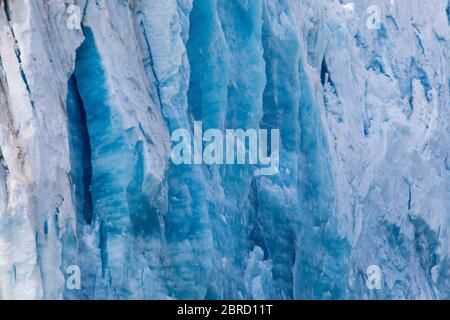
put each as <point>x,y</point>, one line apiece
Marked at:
<point>86,178</point>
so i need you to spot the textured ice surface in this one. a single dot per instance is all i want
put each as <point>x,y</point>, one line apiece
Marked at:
<point>85,123</point>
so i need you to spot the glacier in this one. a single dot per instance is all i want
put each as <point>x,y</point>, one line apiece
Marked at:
<point>87,109</point>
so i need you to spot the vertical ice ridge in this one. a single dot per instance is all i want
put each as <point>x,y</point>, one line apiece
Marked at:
<point>20,274</point>
<point>281,110</point>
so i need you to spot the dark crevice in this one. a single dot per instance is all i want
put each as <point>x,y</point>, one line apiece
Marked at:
<point>255,230</point>
<point>409,198</point>
<point>103,248</point>
<point>46,229</point>
<point>447,162</point>
<point>4,172</point>
<point>3,162</point>
<point>81,172</point>
<point>14,272</point>
<point>56,223</point>
<point>7,10</point>
<point>419,41</point>
<point>150,58</point>
<point>377,65</point>
<point>325,74</point>
<point>448,11</point>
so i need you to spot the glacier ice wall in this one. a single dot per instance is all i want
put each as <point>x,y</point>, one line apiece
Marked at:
<point>85,121</point>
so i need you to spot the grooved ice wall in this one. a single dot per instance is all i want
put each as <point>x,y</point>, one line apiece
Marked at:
<point>90,92</point>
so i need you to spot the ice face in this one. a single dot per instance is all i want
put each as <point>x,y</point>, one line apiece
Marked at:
<point>91,91</point>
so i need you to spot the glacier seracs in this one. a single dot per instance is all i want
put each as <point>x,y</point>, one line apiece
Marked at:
<point>85,172</point>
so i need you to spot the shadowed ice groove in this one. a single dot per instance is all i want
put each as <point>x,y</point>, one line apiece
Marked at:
<point>111,170</point>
